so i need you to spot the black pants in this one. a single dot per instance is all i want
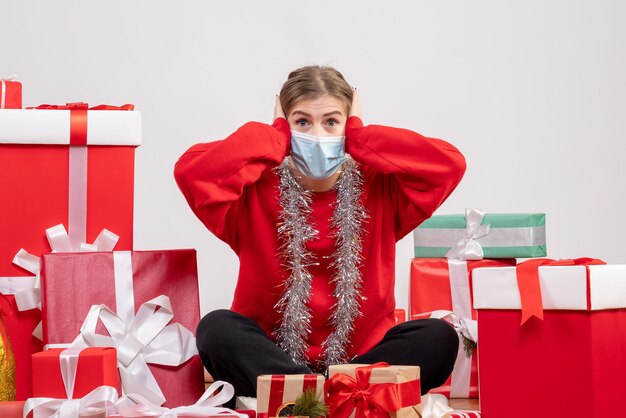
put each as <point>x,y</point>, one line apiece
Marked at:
<point>235,349</point>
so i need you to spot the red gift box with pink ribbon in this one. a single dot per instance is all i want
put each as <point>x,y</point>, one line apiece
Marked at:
<point>552,338</point>
<point>144,303</point>
<point>440,288</point>
<point>61,165</point>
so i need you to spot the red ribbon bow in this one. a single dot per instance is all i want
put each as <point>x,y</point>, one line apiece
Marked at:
<point>530,288</point>
<point>370,400</point>
<point>78,117</point>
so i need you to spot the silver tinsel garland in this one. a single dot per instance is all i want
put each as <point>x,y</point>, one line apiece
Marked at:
<point>295,230</point>
<point>347,226</point>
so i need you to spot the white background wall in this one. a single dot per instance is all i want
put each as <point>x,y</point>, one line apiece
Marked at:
<point>533,92</point>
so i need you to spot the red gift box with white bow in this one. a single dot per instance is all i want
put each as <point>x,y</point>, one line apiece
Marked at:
<point>144,303</point>
<point>59,373</point>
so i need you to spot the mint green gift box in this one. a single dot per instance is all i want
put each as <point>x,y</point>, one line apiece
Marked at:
<point>498,235</point>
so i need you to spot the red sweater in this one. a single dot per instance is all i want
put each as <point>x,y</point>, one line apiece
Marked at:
<point>231,187</point>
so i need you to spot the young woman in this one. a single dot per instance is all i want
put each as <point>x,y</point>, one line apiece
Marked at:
<point>313,205</point>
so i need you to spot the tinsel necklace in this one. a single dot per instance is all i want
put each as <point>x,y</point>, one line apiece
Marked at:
<point>295,230</point>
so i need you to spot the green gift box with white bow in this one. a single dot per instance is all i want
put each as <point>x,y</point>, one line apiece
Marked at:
<point>478,235</point>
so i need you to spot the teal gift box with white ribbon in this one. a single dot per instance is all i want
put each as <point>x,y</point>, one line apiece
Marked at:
<point>478,235</point>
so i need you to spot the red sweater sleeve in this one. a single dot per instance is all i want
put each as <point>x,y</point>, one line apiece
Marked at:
<point>213,176</point>
<point>421,171</point>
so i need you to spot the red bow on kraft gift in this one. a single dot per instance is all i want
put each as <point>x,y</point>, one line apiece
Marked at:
<point>78,117</point>
<point>345,394</point>
<point>530,288</point>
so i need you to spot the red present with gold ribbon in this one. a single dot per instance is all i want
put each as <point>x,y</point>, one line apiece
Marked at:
<point>10,93</point>
<point>376,391</point>
<point>73,373</point>
<point>439,284</point>
<point>276,391</point>
<point>144,303</point>
<point>552,338</point>
<point>73,166</point>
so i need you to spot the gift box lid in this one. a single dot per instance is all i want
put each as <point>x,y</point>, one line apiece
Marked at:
<point>562,287</point>
<point>52,127</point>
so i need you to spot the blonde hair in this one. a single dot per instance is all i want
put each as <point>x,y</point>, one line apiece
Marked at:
<point>311,82</point>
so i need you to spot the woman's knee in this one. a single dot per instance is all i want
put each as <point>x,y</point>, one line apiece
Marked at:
<point>439,334</point>
<point>445,336</point>
<point>447,341</point>
<point>214,328</point>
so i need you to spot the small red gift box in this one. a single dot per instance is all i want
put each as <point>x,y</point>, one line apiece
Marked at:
<point>95,367</point>
<point>275,390</point>
<point>47,180</point>
<point>571,363</point>
<point>438,284</point>
<point>124,281</point>
<point>10,93</point>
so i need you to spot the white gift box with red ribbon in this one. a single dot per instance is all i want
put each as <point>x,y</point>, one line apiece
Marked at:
<point>570,349</point>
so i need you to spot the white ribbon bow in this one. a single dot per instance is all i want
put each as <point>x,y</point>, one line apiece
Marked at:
<point>100,400</point>
<point>468,248</point>
<point>59,240</point>
<point>466,327</point>
<point>12,77</point>
<point>146,339</point>
<point>135,405</point>
<point>432,407</point>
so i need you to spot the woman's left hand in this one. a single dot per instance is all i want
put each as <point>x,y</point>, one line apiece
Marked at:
<point>355,108</point>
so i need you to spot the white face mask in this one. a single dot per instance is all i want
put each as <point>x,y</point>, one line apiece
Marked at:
<point>315,156</point>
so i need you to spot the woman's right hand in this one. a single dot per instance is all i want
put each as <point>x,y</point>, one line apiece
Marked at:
<point>278,109</point>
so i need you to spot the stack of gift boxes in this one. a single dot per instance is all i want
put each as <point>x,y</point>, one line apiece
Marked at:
<point>114,321</point>
<point>537,337</point>
<point>448,249</point>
